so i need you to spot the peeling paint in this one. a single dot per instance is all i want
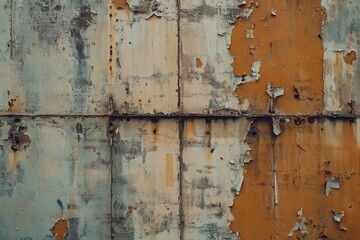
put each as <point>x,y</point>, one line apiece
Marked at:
<point>332,183</point>
<point>341,66</point>
<point>300,224</point>
<point>131,119</point>
<point>337,216</point>
<point>208,193</point>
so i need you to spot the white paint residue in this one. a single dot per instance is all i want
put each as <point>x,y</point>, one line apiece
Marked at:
<point>332,183</point>
<point>300,224</point>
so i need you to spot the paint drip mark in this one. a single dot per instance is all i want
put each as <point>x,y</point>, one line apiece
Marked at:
<point>60,229</point>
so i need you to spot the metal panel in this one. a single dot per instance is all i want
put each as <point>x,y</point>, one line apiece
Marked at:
<point>134,119</point>
<point>214,153</point>
<point>208,82</point>
<point>254,207</point>
<point>309,158</point>
<point>146,185</point>
<point>286,37</point>
<point>52,57</point>
<point>341,64</point>
<point>53,169</point>
<point>144,60</point>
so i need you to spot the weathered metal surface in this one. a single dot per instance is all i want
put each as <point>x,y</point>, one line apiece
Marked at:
<point>289,46</point>
<point>253,209</point>
<point>52,57</point>
<point>341,63</point>
<point>207,79</point>
<point>171,99</point>
<point>307,156</point>
<point>214,153</point>
<point>53,169</point>
<point>144,45</point>
<point>146,189</point>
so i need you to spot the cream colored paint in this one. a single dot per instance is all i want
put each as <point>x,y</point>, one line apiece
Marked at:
<point>146,54</point>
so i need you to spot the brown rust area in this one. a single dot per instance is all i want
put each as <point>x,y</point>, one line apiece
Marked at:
<point>198,63</point>
<point>306,154</point>
<point>120,4</point>
<point>60,229</point>
<point>350,57</point>
<point>169,174</point>
<point>253,208</point>
<point>290,48</point>
<point>130,209</point>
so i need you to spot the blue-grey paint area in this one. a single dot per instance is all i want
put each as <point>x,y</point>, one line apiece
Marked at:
<point>341,36</point>
<point>63,173</point>
<point>53,56</point>
<point>214,154</point>
<point>146,189</point>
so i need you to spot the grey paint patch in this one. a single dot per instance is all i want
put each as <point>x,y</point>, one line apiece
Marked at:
<point>145,72</point>
<point>341,36</point>
<point>55,166</point>
<point>212,148</point>
<point>53,55</point>
<point>332,183</point>
<point>145,179</point>
<point>300,224</point>
<point>337,216</point>
<point>211,87</point>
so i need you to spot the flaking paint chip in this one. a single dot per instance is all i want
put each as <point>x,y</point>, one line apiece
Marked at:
<point>300,224</point>
<point>337,216</point>
<point>274,92</point>
<point>332,183</point>
<point>236,186</point>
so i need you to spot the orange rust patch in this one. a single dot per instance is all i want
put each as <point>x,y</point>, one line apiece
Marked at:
<point>290,49</point>
<point>350,57</point>
<point>130,209</point>
<point>189,129</point>
<point>60,229</point>
<point>121,4</point>
<point>15,159</point>
<point>169,163</point>
<point>253,208</point>
<point>14,105</point>
<point>198,63</point>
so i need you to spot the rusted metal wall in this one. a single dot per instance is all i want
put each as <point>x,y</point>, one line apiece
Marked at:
<point>179,119</point>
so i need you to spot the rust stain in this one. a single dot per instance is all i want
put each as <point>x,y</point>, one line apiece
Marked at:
<point>155,131</point>
<point>60,229</point>
<point>15,159</point>
<point>112,51</point>
<point>350,57</point>
<point>253,208</point>
<point>14,105</point>
<point>169,163</point>
<point>198,63</point>
<point>339,75</point>
<point>189,129</point>
<point>290,51</point>
<point>130,209</point>
<point>121,4</point>
<point>208,136</point>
